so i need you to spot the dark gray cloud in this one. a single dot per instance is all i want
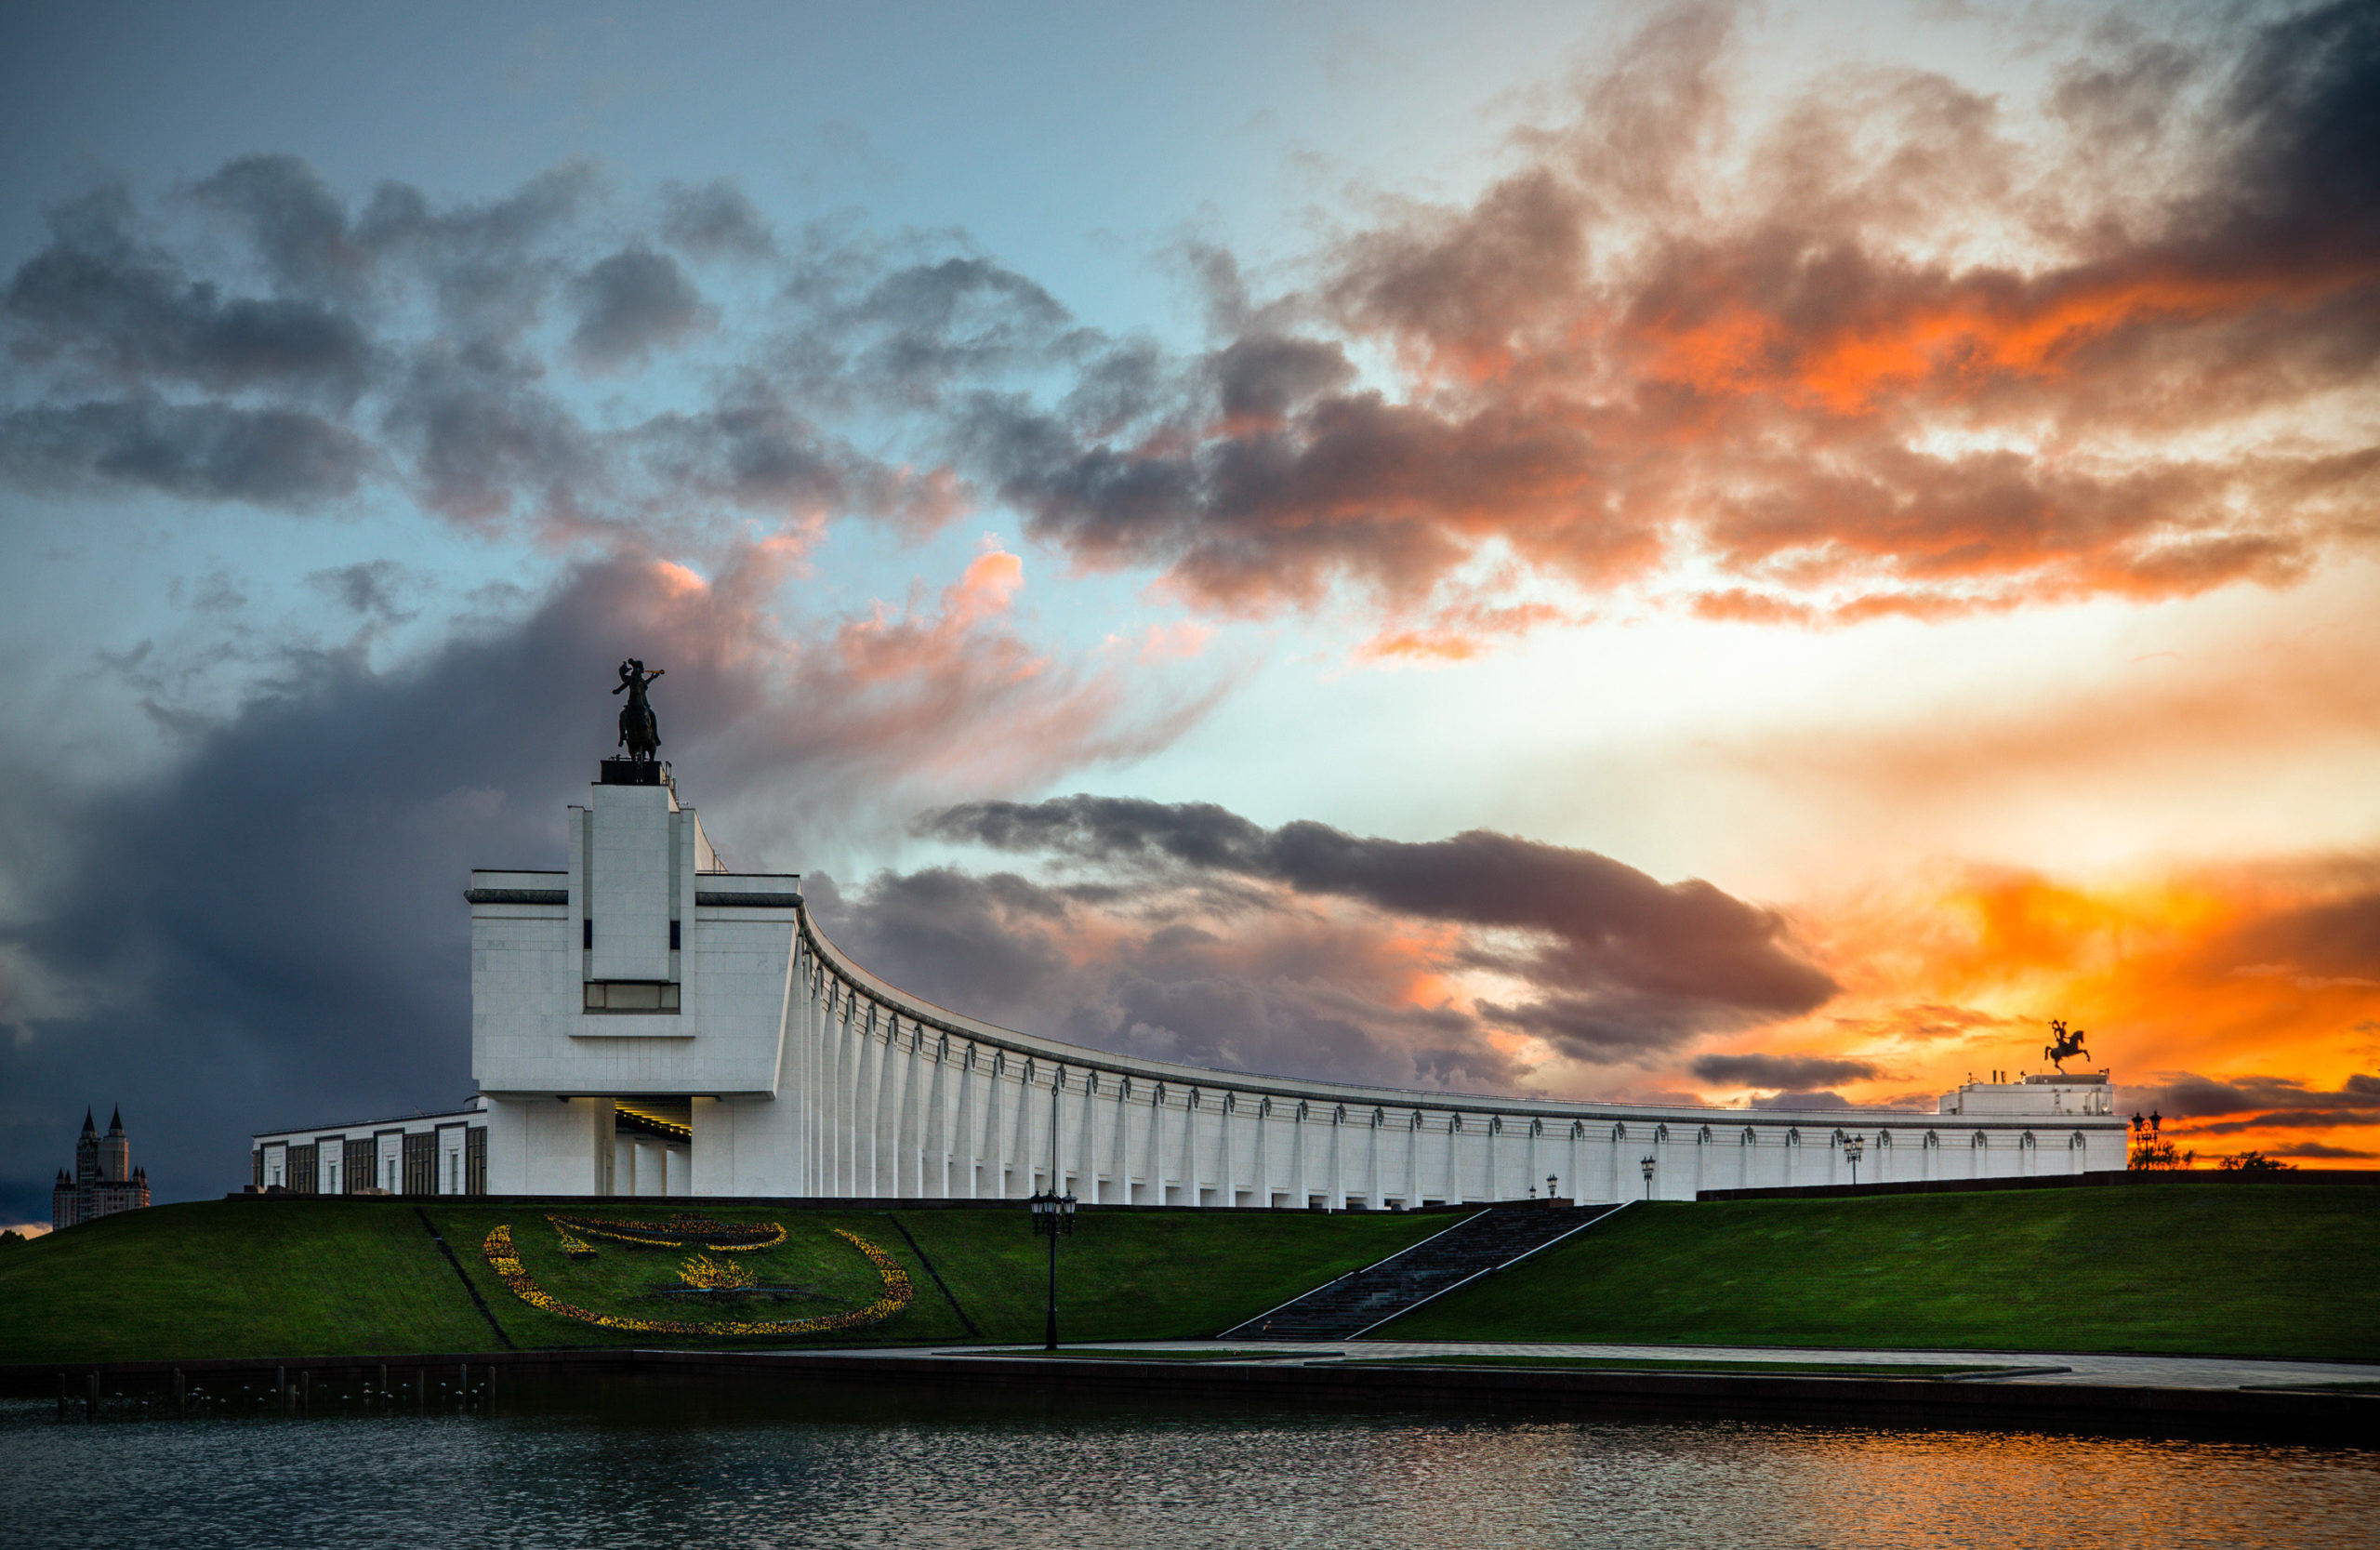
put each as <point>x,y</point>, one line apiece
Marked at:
<point>99,296</point>
<point>1171,979</point>
<point>1628,963</point>
<point>632,303</point>
<point>291,351</point>
<point>369,589</point>
<point>1798,1102</point>
<point>209,452</point>
<point>2316,1150</point>
<point>2230,1105</point>
<point>714,220</point>
<point>1772,1072</point>
<point>483,439</point>
<point>297,224</point>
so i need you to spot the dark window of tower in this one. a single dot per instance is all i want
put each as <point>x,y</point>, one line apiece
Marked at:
<point>673,936</point>
<point>587,932</point>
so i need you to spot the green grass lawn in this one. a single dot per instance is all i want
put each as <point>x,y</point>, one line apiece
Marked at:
<point>2179,1266</point>
<point>2191,1265</point>
<point>1129,1276</point>
<point>224,1278</point>
<point>361,1276</point>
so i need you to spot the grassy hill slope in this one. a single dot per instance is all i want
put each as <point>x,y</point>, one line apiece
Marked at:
<point>219,1279</point>
<point>2184,1264</point>
<point>362,1277</point>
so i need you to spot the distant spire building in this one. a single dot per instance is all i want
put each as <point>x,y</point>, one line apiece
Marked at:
<point>104,1182</point>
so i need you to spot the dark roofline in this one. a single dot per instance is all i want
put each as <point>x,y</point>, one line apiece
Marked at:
<point>358,1124</point>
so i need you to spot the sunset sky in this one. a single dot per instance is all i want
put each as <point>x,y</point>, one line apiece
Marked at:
<point>1667,552</point>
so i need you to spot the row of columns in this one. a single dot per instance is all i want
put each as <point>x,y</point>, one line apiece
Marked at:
<point>899,1108</point>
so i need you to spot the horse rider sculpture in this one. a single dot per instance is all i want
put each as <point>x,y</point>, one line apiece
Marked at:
<point>640,733</point>
<point>2068,1045</point>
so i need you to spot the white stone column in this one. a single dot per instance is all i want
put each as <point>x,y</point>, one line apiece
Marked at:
<point>967,1149</point>
<point>1023,1154</point>
<point>822,1178</point>
<point>854,1162</point>
<point>1262,1167</point>
<point>863,1094</point>
<point>937,1142</point>
<point>1375,1187</point>
<point>1190,1146</point>
<point>1297,1156</point>
<point>994,1147</point>
<point>1454,1162</point>
<point>830,1097</point>
<point>1086,1140</point>
<point>885,1123</point>
<point>1225,1195</point>
<point>1338,1157</point>
<point>652,1167</point>
<point>805,1063</point>
<point>1156,1144</point>
<point>1120,1167</point>
<point>909,1170</point>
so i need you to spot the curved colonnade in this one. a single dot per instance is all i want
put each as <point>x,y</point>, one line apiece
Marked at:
<point>901,1099</point>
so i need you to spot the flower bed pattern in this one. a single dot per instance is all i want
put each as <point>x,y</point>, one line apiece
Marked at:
<point>681,1232</point>
<point>506,1262</point>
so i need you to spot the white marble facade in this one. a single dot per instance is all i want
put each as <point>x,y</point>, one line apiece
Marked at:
<point>646,981</point>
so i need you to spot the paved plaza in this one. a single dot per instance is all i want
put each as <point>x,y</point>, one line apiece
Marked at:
<point>2056,1367</point>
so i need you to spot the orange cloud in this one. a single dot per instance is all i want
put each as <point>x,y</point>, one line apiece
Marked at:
<point>1886,353</point>
<point>2244,1002</point>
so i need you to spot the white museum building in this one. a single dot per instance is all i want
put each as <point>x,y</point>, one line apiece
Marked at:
<point>648,1023</point>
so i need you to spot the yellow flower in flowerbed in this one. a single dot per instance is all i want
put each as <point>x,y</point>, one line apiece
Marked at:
<point>679,1232</point>
<point>701,1270</point>
<point>506,1262</point>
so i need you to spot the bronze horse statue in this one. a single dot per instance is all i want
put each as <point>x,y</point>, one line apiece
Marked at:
<point>640,733</point>
<point>2068,1045</point>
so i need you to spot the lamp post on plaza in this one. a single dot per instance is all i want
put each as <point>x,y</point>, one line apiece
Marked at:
<point>1647,1166</point>
<point>1052,1214</point>
<point>1852,1147</point>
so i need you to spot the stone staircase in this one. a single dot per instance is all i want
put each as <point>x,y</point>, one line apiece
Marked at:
<point>1364,1299</point>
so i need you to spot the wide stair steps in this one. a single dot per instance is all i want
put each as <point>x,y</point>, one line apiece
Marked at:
<point>1363,1299</point>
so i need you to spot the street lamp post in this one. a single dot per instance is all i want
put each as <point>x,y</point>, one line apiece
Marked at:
<point>1647,1166</point>
<point>1052,1214</point>
<point>1851,1151</point>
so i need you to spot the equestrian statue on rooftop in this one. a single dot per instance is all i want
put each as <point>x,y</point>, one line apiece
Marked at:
<point>640,733</point>
<point>2068,1045</point>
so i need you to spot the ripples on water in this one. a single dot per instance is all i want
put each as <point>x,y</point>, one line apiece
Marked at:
<point>633,1462</point>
